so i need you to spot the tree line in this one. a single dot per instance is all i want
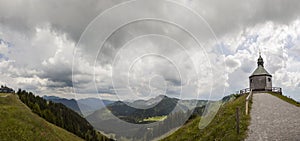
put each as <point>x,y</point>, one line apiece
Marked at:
<point>61,116</point>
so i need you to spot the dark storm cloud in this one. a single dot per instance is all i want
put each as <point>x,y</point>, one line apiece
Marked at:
<point>174,82</point>
<point>63,79</point>
<point>67,16</point>
<point>72,16</point>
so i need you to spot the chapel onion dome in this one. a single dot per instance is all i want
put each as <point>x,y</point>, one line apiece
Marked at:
<point>260,61</point>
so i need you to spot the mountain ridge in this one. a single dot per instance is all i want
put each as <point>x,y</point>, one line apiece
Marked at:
<point>83,106</point>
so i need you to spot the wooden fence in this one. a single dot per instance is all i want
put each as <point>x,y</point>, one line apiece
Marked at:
<point>273,89</point>
<point>248,99</point>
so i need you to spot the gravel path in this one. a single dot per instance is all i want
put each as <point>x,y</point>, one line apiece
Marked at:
<point>273,119</point>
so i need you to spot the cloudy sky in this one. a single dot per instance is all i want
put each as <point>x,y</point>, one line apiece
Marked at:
<point>139,49</point>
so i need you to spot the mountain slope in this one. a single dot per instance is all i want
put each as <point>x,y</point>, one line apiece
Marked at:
<point>90,105</point>
<point>17,122</point>
<point>61,116</point>
<point>164,107</point>
<point>70,103</point>
<point>83,107</point>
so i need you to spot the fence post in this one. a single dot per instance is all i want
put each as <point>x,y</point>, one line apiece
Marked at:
<point>247,105</point>
<point>248,98</point>
<point>237,121</point>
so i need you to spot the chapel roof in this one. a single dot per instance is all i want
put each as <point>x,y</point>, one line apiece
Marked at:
<point>260,70</point>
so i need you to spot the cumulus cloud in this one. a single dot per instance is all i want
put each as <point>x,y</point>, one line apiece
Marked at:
<point>37,62</point>
<point>38,41</point>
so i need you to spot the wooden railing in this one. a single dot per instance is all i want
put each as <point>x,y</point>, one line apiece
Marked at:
<point>248,98</point>
<point>244,91</point>
<point>277,90</point>
<point>273,89</point>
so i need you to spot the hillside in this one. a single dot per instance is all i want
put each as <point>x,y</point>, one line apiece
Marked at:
<point>90,105</point>
<point>134,115</point>
<point>61,116</point>
<point>222,126</point>
<point>70,103</point>
<point>83,107</point>
<point>17,122</point>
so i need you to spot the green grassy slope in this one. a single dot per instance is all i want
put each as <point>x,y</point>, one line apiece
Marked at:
<point>222,127</point>
<point>17,122</point>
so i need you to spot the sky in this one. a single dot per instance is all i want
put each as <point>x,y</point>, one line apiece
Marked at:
<point>138,49</point>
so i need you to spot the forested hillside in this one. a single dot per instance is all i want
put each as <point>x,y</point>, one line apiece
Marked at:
<point>61,116</point>
<point>18,123</point>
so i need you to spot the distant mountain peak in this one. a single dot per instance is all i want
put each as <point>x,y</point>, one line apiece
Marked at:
<point>46,97</point>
